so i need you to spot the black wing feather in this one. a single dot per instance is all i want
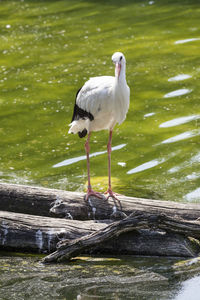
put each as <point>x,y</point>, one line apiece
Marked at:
<point>80,113</point>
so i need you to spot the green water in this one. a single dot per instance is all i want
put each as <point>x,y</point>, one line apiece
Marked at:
<point>95,278</point>
<point>48,50</point>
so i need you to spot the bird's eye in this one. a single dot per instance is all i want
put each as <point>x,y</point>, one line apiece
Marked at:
<point>120,58</point>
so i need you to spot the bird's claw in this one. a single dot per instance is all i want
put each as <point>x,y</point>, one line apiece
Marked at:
<point>90,192</point>
<point>111,194</point>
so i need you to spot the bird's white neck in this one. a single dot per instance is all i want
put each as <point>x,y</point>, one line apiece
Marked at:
<point>122,76</point>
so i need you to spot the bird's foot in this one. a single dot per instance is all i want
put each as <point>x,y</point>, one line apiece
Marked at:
<point>90,192</point>
<point>111,194</point>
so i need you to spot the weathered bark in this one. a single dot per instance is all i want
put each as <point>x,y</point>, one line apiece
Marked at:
<point>32,229</point>
<point>39,234</point>
<point>68,249</point>
<point>22,232</point>
<point>58,203</point>
<point>39,201</point>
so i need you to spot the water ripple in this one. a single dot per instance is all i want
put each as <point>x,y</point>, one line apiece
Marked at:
<point>193,176</point>
<point>179,77</point>
<point>186,41</point>
<point>193,161</point>
<point>182,136</point>
<point>147,165</point>
<point>176,93</point>
<point>194,195</point>
<point>179,121</point>
<point>174,169</point>
<point>73,160</point>
<point>196,158</point>
<point>149,114</point>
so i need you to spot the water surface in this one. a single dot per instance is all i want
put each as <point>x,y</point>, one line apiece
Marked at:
<point>97,278</point>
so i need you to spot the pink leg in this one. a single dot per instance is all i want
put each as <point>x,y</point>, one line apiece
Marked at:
<point>109,149</point>
<point>90,192</point>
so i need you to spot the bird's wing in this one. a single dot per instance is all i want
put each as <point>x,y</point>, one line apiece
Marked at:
<point>95,94</point>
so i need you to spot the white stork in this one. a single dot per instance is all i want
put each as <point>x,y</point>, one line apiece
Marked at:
<point>101,103</point>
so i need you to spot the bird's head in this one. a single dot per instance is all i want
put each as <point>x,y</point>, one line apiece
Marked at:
<point>119,60</point>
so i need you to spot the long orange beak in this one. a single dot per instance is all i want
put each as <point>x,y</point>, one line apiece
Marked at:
<point>117,69</point>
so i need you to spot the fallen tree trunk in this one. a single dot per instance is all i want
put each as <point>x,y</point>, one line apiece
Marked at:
<point>58,203</point>
<point>39,234</point>
<point>21,232</point>
<point>68,249</point>
<point>26,223</point>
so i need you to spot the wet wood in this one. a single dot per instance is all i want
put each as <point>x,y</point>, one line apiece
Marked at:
<point>39,201</point>
<point>23,232</point>
<point>58,203</point>
<point>39,234</point>
<point>68,249</point>
<point>36,219</point>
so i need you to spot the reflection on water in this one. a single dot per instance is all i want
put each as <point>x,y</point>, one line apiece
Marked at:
<point>179,121</point>
<point>186,41</point>
<point>73,160</point>
<point>182,136</point>
<point>193,176</point>
<point>190,289</point>
<point>192,162</point>
<point>174,169</point>
<point>194,195</point>
<point>151,164</point>
<point>147,165</point>
<point>196,158</point>
<point>177,93</point>
<point>180,77</point>
<point>149,114</point>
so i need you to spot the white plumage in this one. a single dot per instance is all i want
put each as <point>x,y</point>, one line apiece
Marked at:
<point>101,103</point>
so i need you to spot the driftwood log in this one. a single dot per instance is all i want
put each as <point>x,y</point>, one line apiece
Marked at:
<point>57,203</point>
<point>30,220</point>
<point>23,232</point>
<point>68,249</point>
